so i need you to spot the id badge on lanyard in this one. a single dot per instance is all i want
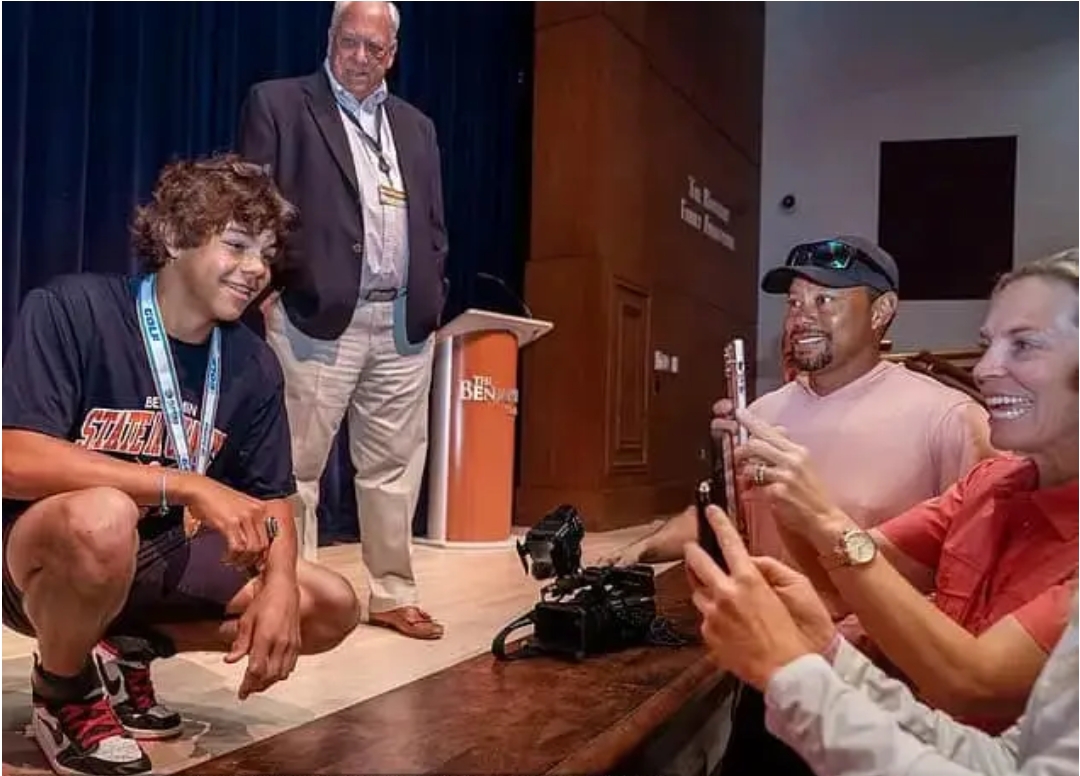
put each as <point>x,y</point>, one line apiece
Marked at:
<point>165,381</point>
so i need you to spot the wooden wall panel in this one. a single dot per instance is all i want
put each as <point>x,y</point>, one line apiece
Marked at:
<point>681,403</point>
<point>684,148</point>
<point>713,53</point>
<point>550,14</point>
<point>623,123</point>
<point>566,140</point>
<point>628,391</point>
<point>632,101</point>
<point>564,376</point>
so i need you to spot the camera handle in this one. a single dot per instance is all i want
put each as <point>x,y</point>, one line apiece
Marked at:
<point>527,649</point>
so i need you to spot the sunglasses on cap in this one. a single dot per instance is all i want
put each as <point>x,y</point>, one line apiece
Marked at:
<point>833,254</point>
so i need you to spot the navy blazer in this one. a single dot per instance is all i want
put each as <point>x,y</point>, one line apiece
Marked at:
<point>293,125</point>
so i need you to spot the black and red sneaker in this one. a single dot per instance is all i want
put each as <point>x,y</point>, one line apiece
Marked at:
<point>125,675</point>
<point>84,737</point>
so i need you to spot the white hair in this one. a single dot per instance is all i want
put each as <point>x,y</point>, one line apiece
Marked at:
<point>391,9</point>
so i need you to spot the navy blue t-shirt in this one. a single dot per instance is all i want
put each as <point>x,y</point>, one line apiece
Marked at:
<point>77,369</point>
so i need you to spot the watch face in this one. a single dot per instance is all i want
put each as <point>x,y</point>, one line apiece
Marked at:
<point>860,548</point>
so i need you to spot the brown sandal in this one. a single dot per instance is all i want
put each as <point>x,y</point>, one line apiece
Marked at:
<point>410,621</point>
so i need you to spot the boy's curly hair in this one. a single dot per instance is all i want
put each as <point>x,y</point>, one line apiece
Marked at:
<point>194,200</point>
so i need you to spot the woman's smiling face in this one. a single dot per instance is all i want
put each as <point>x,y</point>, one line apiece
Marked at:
<point>1028,372</point>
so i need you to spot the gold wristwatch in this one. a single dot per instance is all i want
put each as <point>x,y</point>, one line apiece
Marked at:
<point>855,547</point>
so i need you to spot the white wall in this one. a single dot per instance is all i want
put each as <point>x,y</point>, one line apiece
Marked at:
<point>840,78</point>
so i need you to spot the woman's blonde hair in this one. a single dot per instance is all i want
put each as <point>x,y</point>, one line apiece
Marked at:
<point>1061,267</point>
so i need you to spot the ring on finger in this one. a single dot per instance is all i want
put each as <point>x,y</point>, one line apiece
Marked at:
<point>271,527</point>
<point>759,474</point>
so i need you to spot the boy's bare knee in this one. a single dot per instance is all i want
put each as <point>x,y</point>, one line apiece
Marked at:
<point>98,539</point>
<point>331,610</point>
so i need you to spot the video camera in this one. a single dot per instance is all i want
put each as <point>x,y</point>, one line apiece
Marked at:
<point>554,545</point>
<point>583,611</point>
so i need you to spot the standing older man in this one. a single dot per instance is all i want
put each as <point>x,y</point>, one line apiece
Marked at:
<point>362,287</point>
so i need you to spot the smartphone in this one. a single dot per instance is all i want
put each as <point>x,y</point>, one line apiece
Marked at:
<point>706,535</point>
<point>735,374</point>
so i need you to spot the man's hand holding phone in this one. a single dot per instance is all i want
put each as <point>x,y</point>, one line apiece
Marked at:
<point>723,419</point>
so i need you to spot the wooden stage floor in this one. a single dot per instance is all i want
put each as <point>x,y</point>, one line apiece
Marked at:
<point>474,593</point>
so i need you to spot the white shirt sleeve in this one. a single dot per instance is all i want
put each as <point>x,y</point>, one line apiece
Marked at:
<point>959,743</point>
<point>850,719</point>
<point>840,731</point>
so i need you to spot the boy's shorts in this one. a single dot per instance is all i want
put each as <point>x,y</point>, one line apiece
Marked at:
<point>176,580</point>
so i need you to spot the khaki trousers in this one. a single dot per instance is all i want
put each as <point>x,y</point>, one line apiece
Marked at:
<point>386,397</point>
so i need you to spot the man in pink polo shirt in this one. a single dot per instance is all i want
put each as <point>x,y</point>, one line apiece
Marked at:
<point>848,407</point>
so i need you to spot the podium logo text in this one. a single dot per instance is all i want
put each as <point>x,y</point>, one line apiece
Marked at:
<point>482,388</point>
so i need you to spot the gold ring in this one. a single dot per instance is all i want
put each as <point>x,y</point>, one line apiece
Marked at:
<point>271,527</point>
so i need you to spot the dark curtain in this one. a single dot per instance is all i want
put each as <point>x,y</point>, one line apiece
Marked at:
<point>98,96</point>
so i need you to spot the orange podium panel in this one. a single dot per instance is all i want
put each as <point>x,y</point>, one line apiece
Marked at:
<point>474,409</point>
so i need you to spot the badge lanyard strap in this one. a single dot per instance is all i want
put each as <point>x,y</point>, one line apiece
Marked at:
<point>374,142</point>
<point>164,372</point>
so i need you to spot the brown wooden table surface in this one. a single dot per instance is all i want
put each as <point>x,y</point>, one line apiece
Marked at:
<point>482,716</point>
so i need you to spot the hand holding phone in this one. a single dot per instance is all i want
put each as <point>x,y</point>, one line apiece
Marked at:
<point>720,488</point>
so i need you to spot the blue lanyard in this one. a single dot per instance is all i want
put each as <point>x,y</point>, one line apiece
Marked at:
<point>161,365</point>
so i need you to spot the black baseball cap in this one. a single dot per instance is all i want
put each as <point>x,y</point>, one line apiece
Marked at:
<point>839,262</point>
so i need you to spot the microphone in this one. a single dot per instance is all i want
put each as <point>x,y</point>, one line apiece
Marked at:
<point>502,284</point>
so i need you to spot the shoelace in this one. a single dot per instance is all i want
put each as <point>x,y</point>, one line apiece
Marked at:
<point>140,688</point>
<point>87,723</point>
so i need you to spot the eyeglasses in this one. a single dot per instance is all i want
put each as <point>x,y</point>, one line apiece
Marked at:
<point>832,254</point>
<point>352,44</point>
